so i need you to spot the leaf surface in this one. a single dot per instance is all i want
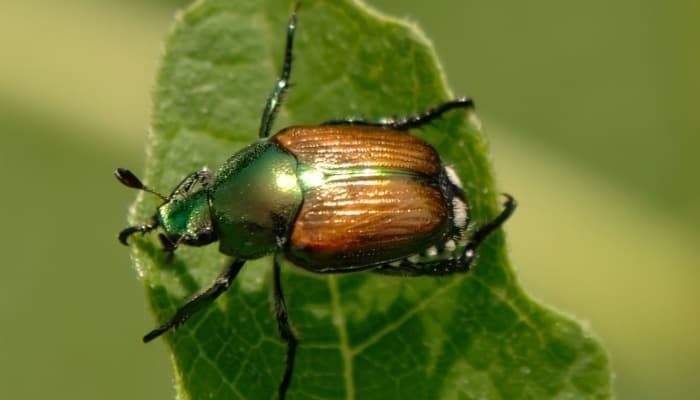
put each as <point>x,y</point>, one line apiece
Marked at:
<point>362,335</point>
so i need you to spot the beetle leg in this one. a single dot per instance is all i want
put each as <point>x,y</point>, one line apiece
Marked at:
<point>459,264</point>
<point>199,301</point>
<point>124,234</point>
<point>463,263</point>
<point>409,122</point>
<point>275,98</point>
<point>484,231</point>
<point>285,330</point>
<point>437,267</point>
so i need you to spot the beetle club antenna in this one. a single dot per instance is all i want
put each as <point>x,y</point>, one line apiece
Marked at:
<point>128,179</point>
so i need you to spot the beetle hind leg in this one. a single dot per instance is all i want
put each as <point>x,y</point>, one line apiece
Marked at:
<point>448,260</point>
<point>463,263</point>
<point>412,121</point>
<point>411,266</point>
<point>481,233</point>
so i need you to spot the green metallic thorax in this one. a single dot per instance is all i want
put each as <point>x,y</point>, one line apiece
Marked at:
<point>185,218</point>
<point>254,200</point>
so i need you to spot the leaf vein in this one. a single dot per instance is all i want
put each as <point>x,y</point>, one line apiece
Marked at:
<point>405,317</point>
<point>341,324</point>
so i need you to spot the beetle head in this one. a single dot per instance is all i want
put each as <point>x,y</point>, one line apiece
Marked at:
<point>183,215</point>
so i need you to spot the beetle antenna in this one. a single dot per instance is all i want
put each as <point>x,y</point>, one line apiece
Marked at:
<point>128,179</point>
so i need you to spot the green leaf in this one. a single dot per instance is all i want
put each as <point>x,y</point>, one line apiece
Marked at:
<point>362,335</point>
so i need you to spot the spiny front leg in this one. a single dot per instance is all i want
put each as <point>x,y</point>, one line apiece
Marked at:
<point>199,301</point>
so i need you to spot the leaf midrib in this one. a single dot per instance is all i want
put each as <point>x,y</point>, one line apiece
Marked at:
<point>341,324</point>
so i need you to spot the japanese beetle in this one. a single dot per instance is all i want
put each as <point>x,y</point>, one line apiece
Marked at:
<point>343,196</point>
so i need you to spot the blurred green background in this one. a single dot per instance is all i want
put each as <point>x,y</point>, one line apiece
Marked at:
<point>589,107</point>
